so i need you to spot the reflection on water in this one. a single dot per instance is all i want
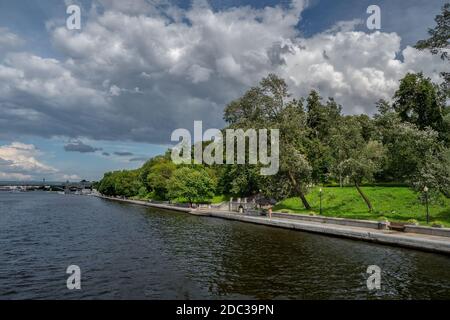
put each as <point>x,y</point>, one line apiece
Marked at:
<point>126,251</point>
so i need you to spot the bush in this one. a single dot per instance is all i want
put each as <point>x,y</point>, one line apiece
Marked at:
<point>437,224</point>
<point>413,221</point>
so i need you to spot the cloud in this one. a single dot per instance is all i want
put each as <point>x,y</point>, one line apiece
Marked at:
<point>139,159</point>
<point>137,71</point>
<point>9,40</point>
<point>14,176</point>
<point>357,68</point>
<point>79,146</point>
<point>345,26</point>
<point>21,156</point>
<point>106,154</point>
<point>18,162</point>
<point>123,154</point>
<point>5,163</point>
<point>71,177</point>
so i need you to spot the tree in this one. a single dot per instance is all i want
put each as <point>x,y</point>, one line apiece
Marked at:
<point>297,168</point>
<point>406,147</point>
<point>354,157</point>
<point>268,105</point>
<point>158,178</point>
<point>193,184</point>
<point>258,106</point>
<point>438,43</point>
<point>106,185</point>
<point>383,107</point>
<point>321,119</point>
<point>363,164</point>
<point>417,101</point>
<point>435,173</point>
<point>314,112</point>
<point>147,166</point>
<point>127,183</point>
<point>239,180</point>
<point>446,127</point>
<point>121,183</point>
<point>345,138</point>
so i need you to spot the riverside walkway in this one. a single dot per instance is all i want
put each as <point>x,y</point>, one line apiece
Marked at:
<point>433,243</point>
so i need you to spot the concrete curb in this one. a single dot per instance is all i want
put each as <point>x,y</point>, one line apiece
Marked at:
<point>332,220</point>
<point>442,232</point>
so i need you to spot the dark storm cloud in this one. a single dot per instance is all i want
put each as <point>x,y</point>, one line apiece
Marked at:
<point>81,147</point>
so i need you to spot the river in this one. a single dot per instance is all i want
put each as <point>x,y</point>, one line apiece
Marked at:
<point>131,252</point>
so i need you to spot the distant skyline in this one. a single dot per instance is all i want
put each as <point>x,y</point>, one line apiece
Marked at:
<point>74,104</point>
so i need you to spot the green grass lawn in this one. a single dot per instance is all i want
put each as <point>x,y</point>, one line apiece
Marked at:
<point>394,203</point>
<point>220,198</point>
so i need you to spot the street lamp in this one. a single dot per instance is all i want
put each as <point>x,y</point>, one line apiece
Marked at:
<point>320,194</point>
<point>425,189</point>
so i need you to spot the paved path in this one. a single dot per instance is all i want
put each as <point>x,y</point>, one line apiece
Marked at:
<point>403,239</point>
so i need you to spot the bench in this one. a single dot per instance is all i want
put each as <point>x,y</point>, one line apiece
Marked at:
<point>397,226</point>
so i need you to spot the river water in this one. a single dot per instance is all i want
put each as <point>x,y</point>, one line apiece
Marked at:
<point>130,252</point>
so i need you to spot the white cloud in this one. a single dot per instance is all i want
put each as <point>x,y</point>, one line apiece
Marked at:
<point>19,161</point>
<point>14,176</point>
<point>357,68</point>
<point>9,40</point>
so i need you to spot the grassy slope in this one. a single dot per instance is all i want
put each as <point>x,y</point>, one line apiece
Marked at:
<point>394,203</point>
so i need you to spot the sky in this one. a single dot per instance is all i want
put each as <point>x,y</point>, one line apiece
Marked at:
<point>77,103</point>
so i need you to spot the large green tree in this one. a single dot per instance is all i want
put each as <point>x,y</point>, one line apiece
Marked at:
<point>406,147</point>
<point>191,183</point>
<point>434,173</point>
<point>355,158</point>
<point>124,183</point>
<point>418,101</point>
<point>438,42</point>
<point>268,105</point>
<point>158,178</point>
<point>362,165</point>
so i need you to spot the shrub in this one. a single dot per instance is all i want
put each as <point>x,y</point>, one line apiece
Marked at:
<point>437,224</point>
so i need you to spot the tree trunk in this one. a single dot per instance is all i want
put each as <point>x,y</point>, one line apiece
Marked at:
<point>300,192</point>
<point>366,200</point>
<point>304,201</point>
